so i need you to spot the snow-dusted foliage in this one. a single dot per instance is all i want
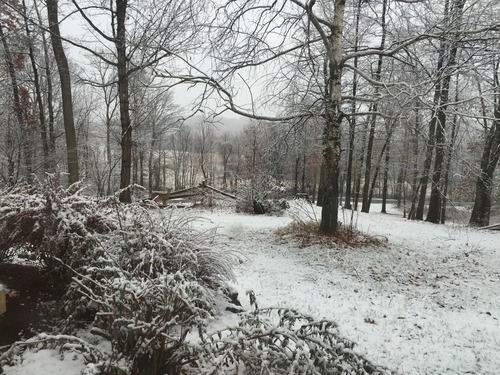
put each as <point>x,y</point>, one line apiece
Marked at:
<point>154,283</point>
<point>144,317</point>
<point>51,223</point>
<point>261,199</point>
<point>282,341</point>
<point>146,284</point>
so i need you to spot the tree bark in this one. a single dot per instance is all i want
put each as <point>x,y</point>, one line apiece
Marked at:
<point>449,157</point>
<point>448,52</point>
<point>333,120</point>
<point>378,73</point>
<point>123,96</point>
<point>67,100</point>
<point>50,105</point>
<point>352,121</point>
<point>491,155</point>
<point>38,96</point>
<point>385,180</point>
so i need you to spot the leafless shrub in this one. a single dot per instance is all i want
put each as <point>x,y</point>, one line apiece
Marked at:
<point>304,231</point>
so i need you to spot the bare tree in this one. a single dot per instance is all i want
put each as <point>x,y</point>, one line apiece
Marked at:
<point>184,164</point>
<point>20,111</point>
<point>205,147</point>
<point>445,69</point>
<point>225,152</point>
<point>142,35</point>
<point>47,157</point>
<point>367,192</point>
<point>67,99</point>
<point>489,159</point>
<point>317,47</point>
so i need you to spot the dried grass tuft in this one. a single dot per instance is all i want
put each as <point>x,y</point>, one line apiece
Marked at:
<point>307,233</point>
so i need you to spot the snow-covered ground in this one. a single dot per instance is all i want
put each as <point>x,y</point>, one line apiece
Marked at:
<point>427,303</point>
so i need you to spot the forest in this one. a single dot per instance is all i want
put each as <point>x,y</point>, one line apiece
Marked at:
<point>106,105</point>
<point>343,100</point>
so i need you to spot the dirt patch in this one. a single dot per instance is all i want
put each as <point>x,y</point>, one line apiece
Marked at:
<point>31,302</point>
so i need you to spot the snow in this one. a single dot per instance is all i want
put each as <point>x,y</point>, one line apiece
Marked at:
<point>426,303</point>
<point>47,361</point>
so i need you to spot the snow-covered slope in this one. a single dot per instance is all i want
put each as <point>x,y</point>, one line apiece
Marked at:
<point>427,303</point>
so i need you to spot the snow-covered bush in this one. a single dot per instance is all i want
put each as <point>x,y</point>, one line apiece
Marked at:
<point>260,201</point>
<point>145,318</point>
<point>51,223</point>
<point>282,341</point>
<point>153,282</point>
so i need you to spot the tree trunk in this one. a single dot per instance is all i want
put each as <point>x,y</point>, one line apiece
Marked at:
<point>352,121</point>
<point>434,212</point>
<point>108,151</point>
<point>491,154</point>
<point>424,180</point>
<point>150,172</point>
<point>357,183</point>
<point>50,95</point>
<point>67,100</point>
<point>378,73</point>
<point>402,172</point>
<point>435,202</point>
<point>449,156</point>
<point>415,183</point>
<point>38,97</point>
<point>304,168</point>
<point>123,96</point>
<point>333,119</point>
<point>385,178</point>
<point>385,147</point>
<point>350,158</point>
<point>296,175</point>
<point>365,207</point>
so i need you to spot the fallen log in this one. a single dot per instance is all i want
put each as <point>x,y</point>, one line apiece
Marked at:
<point>491,227</point>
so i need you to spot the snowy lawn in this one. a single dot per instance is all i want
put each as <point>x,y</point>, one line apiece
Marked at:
<point>426,303</point>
